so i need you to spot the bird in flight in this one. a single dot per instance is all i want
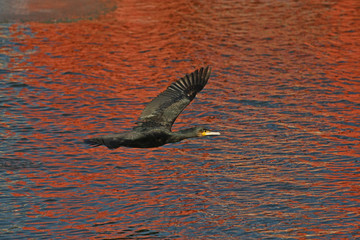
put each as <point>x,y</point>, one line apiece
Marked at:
<point>154,126</point>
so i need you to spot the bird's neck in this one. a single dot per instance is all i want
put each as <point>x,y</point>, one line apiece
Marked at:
<point>183,134</point>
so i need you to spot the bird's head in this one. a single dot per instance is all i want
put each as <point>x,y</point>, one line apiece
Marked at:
<point>192,133</point>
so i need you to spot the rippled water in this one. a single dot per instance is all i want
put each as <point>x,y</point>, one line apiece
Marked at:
<point>284,93</point>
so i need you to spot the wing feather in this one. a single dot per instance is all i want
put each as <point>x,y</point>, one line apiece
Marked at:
<point>166,107</point>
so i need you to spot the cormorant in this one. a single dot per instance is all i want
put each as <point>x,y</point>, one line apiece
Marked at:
<point>154,126</point>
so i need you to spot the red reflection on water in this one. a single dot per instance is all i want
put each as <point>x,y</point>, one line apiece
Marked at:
<point>342,51</point>
<point>83,64</point>
<point>62,57</point>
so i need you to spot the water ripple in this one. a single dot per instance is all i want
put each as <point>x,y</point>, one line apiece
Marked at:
<point>283,92</point>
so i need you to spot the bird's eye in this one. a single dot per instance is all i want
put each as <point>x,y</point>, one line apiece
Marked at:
<point>204,132</point>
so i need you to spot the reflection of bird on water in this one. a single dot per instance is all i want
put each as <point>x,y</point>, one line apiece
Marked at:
<point>154,126</point>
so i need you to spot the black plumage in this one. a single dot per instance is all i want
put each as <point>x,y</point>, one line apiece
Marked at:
<point>154,126</point>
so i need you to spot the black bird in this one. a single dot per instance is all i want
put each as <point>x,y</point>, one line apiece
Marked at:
<point>154,126</point>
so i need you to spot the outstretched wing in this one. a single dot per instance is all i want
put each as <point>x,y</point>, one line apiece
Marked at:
<point>166,107</point>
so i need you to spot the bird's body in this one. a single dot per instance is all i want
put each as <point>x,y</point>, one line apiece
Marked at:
<point>154,126</point>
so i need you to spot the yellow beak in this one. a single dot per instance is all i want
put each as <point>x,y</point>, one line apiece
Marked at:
<point>209,133</point>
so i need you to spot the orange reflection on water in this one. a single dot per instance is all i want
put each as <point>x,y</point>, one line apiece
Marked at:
<point>91,77</point>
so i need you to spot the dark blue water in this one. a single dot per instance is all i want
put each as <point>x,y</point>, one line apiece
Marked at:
<point>284,93</point>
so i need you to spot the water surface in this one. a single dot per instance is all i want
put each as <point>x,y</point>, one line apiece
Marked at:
<point>284,92</point>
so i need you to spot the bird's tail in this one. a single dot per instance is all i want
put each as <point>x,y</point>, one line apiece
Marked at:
<point>94,142</point>
<point>110,141</point>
